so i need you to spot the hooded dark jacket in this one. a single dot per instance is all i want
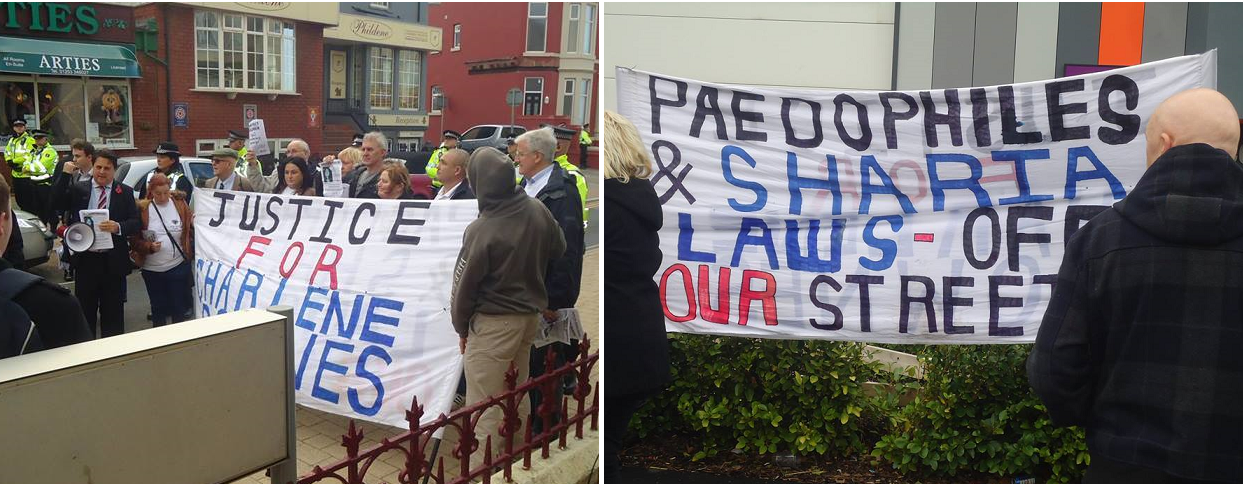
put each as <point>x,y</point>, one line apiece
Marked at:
<point>637,361</point>
<point>500,269</point>
<point>1142,341</point>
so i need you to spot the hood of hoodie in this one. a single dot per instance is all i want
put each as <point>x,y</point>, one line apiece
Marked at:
<point>491,176</point>
<point>637,197</point>
<point>1192,194</point>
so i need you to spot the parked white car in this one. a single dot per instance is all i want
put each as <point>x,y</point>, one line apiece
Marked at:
<point>131,169</point>
<point>37,238</point>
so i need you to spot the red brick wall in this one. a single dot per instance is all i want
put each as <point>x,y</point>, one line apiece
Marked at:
<point>212,114</point>
<point>496,32</point>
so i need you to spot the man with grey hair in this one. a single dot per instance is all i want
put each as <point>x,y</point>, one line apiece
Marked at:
<point>364,183</point>
<point>296,148</point>
<point>555,188</point>
<point>452,176</point>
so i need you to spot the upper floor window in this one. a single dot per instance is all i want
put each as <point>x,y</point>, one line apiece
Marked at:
<point>234,51</point>
<point>537,27</point>
<point>572,35</point>
<point>589,28</point>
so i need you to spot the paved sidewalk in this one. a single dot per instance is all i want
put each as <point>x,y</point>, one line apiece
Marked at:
<point>319,433</point>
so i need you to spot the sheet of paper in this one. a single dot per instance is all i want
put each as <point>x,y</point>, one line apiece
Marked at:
<point>567,327</point>
<point>93,217</point>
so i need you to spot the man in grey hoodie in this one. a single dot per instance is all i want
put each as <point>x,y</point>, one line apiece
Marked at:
<point>498,282</point>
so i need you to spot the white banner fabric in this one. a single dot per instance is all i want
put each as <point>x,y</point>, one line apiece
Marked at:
<point>369,283</point>
<point>933,216</point>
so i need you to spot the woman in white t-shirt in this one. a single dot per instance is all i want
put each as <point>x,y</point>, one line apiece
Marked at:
<point>166,252</point>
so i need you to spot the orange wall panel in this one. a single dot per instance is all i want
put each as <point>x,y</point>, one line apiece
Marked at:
<point>1122,33</point>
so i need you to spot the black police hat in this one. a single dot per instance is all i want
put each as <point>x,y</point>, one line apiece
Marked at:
<point>358,140</point>
<point>17,121</point>
<point>561,132</point>
<point>233,135</point>
<point>452,134</point>
<point>38,133</point>
<point>169,149</point>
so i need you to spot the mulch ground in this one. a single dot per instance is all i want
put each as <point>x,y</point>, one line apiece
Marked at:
<point>674,453</point>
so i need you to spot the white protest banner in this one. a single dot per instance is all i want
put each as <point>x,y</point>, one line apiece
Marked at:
<point>933,216</point>
<point>257,142</point>
<point>369,282</point>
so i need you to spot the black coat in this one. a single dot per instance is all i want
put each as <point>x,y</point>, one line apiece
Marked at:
<point>1140,344</point>
<point>637,361</point>
<point>121,209</point>
<point>560,197</point>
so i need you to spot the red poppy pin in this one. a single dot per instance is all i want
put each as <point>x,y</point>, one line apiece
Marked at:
<point>117,190</point>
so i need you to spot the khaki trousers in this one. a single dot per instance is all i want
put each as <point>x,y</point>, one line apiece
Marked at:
<point>493,343</point>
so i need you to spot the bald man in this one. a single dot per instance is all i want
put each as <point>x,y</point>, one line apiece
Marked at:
<point>1142,341</point>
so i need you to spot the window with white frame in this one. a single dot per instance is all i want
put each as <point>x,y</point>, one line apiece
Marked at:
<point>234,51</point>
<point>381,78</point>
<point>589,28</point>
<point>537,27</point>
<point>98,110</point>
<point>380,5</point>
<point>409,80</point>
<point>572,35</point>
<point>533,102</point>
<point>567,99</point>
<point>583,110</point>
<point>457,36</point>
<point>438,99</point>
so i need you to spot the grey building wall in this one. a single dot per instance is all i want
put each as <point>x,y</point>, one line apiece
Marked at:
<point>412,12</point>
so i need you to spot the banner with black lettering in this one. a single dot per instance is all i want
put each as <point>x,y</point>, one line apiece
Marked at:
<point>934,216</point>
<point>368,280</point>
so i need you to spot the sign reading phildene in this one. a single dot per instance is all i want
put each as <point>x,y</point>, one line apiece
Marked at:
<point>94,21</point>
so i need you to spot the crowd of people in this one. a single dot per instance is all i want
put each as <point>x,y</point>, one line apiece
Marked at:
<point>531,201</point>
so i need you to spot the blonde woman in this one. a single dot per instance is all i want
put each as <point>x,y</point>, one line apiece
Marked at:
<point>637,362</point>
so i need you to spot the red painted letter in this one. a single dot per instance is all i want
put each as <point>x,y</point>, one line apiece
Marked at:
<point>690,293</point>
<point>329,267</point>
<point>289,272</point>
<point>250,249</point>
<point>767,297</point>
<point>721,313</point>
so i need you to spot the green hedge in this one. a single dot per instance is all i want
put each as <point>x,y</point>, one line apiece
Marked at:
<point>973,412</point>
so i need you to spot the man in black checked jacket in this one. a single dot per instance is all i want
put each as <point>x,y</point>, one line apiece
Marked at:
<point>1142,342</point>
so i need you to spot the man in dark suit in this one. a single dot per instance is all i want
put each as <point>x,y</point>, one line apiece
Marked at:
<point>452,176</point>
<point>547,182</point>
<point>101,274</point>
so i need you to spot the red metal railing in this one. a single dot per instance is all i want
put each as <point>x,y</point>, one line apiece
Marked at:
<point>413,443</point>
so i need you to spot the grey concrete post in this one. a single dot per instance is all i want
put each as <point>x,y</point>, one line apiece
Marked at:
<point>286,471</point>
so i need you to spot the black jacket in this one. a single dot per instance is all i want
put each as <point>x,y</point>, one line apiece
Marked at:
<point>121,209</point>
<point>463,192</point>
<point>55,312</point>
<point>1142,341</point>
<point>634,324</point>
<point>560,197</point>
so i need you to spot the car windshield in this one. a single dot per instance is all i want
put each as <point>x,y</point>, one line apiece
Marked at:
<point>479,132</point>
